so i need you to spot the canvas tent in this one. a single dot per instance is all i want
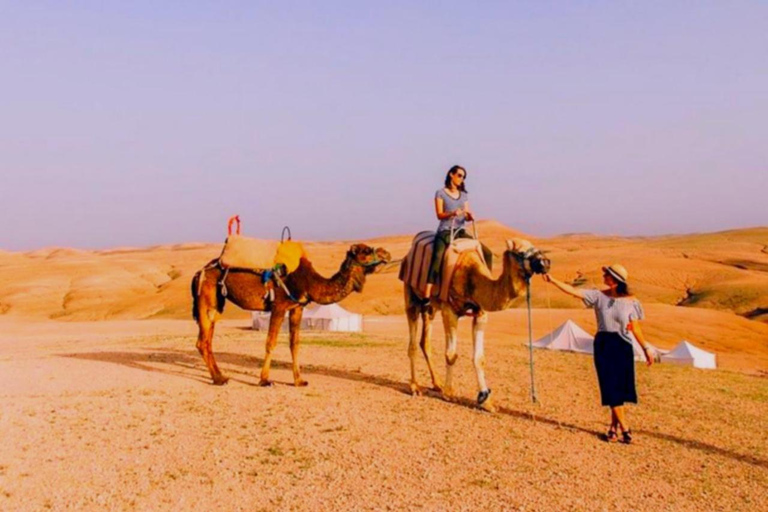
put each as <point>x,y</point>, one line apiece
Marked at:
<point>568,336</point>
<point>688,354</point>
<point>331,317</point>
<point>260,321</point>
<point>573,338</point>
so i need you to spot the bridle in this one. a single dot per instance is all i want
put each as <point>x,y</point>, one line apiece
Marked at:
<point>376,260</point>
<point>524,260</point>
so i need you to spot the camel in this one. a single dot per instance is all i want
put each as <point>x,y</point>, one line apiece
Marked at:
<point>472,291</point>
<point>246,289</point>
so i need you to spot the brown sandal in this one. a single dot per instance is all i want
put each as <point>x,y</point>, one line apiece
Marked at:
<point>611,436</point>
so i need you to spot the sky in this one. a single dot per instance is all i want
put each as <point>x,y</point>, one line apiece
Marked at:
<point>142,123</point>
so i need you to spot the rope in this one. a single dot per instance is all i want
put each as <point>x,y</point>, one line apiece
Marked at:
<point>530,338</point>
<point>549,314</point>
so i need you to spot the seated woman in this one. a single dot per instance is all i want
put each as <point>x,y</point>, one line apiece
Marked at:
<point>452,209</point>
<point>618,321</point>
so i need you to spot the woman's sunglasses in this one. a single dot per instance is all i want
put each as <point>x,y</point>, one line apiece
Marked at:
<point>461,176</point>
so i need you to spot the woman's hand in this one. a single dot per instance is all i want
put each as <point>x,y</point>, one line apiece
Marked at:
<point>648,355</point>
<point>458,211</point>
<point>468,215</point>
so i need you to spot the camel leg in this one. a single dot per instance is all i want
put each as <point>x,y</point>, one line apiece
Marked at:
<point>204,346</point>
<point>294,319</point>
<point>412,314</point>
<point>478,358</point>
<point>426,346</point>
<point>206,322</point>
<point>451,325</point>
<point>275,323</point>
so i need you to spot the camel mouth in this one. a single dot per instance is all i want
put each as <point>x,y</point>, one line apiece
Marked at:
<point>540,264</point>
<point>531,260</point>
<point>380,260</point>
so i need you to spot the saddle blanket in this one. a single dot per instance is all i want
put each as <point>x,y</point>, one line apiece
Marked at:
<point>255,254</point>
<point>416,264</point>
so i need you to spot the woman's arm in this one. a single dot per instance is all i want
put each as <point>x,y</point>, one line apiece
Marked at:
<point>468,213</point>
<point>440,210</point>
<point>570,290</point>
<point>634,326</point>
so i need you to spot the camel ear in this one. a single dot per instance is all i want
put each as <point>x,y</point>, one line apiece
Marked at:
<point>521,245</point>
<point>354,249</point>
<point>510,245</point>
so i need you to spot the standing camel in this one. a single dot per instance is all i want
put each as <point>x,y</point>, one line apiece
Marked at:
<point>472,288</point>
<point>246,289</point>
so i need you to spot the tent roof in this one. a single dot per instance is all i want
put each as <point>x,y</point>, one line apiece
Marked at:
<point>568,328</point>
<point>686,350</point>
<point>328,311</point>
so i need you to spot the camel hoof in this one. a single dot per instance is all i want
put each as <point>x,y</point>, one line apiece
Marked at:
<point>451,359</point>
<point>300,383</point>
<point>448,395</point>
<point>488,406</point>
<point>220,380</point>
<point>265,383</point>
<point>437,388</point>
<point>415,389</point>
<point>484,401</point>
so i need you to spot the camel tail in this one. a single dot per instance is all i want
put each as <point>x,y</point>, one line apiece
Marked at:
<point>197,289</point>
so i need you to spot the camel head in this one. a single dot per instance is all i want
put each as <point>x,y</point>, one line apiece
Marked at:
<point>530,259</point>
<point>368,258</point>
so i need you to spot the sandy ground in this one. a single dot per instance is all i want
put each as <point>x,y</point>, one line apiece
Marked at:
<point>120,415</point>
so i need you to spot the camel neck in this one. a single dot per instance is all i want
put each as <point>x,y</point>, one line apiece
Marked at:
<point>327,290</point>
<point>498,294</point>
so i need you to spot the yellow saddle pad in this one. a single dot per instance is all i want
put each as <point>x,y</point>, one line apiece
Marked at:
<point>289,253</point>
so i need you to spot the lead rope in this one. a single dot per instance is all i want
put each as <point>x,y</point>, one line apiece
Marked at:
<point>530,338</point>
<point>549,314</point>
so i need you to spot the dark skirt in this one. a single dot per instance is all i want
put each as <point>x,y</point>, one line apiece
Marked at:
<point>615,365</point>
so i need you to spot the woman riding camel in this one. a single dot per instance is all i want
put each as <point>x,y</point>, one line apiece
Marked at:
<point>452,209</point>
<point>618,319</point>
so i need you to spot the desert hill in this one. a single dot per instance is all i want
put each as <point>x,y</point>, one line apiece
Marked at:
<point>725,272</point>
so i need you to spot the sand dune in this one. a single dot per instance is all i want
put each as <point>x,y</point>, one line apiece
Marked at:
<point>725,273</point>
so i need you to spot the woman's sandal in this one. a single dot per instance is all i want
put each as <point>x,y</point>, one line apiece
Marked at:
<point>626,437</point>
<point>611,436</point>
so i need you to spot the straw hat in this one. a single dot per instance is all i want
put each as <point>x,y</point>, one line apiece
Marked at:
<point>618,272</point>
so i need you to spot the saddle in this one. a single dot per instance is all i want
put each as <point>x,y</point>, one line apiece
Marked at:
<point>270,260</point>
<point>415,267</point>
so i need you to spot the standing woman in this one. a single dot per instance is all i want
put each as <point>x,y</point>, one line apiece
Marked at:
<point>618,319</point>
<point>452,209</point>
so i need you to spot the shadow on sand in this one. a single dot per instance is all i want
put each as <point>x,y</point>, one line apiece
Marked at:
<point>188,364</point>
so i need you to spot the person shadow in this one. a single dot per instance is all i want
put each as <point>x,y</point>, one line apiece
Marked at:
<point>240,368</point>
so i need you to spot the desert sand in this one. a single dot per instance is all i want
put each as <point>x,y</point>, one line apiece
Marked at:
<point>108,406</point>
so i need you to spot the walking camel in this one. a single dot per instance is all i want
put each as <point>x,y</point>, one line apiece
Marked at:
<point>245,289</point>
<point>472,288</point>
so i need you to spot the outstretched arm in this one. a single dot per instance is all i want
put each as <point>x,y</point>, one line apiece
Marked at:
<point>634,326</point>
<point>570,290</point>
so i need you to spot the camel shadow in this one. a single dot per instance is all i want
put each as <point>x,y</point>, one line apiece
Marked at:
<point>192,368</point>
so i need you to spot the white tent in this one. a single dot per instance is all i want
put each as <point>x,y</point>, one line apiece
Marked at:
<point>573,338</point>
<point>688,354</point>
<point>568,336</point>
<point>260,321</point>
<point>331,318</point>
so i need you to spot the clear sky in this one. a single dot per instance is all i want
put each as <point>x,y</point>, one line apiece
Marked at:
<point>138,123</point>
